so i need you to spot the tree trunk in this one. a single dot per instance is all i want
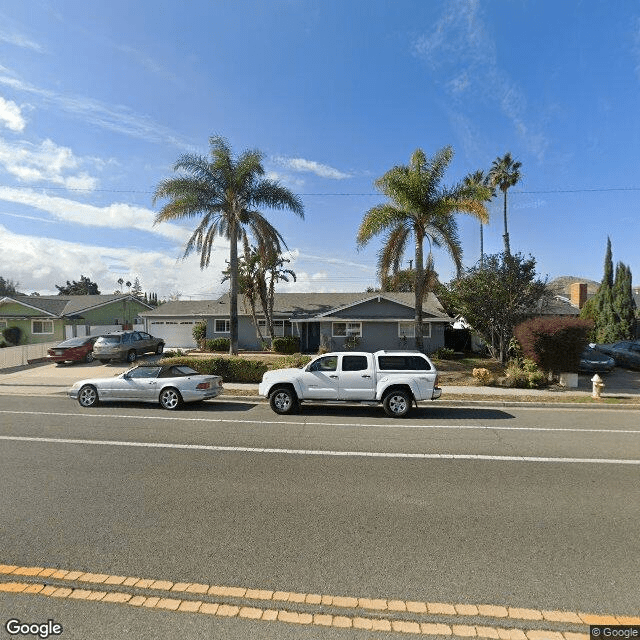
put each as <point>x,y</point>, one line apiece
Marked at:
<point>419,289</point>
<point>481,246</point>
<point>507,247</point>
<point>233,293</point>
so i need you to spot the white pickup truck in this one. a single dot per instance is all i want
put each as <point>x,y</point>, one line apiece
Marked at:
<point>397,379</point>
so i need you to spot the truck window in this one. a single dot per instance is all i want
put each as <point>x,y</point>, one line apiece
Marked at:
<point>403,363</point>
<point>354,363</point>
<point>329,363</point>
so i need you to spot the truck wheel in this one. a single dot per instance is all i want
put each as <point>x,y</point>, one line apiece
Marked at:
<point>283,400</point>
<point>397,404</point>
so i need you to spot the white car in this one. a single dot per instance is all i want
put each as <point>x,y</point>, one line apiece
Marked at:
<point>170,385</point>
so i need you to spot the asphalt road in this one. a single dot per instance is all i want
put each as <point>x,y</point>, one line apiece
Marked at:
<point>524,508</point>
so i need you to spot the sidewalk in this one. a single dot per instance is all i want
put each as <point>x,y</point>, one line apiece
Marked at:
<point>621,391</point>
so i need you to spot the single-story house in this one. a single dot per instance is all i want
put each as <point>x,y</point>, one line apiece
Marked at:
<point>377,320</point>
<point>55,318</point>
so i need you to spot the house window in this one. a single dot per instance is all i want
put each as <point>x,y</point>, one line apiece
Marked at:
<point>278,328</point>
<point>222,326</point>
<point>41,327</point>
<point>406,329</point>
<point>346,329</point>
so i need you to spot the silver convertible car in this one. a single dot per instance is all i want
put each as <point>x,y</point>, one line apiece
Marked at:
<point>170,385</point>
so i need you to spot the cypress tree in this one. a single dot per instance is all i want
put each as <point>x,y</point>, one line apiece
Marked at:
<point>623,303</point>
<point>605,320</point>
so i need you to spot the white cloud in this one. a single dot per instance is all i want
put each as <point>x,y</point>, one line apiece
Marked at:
<point>47,162</point>
<point>39,264</point>
<point>116,216</point>
<point>310,166</point>
<point>463,51</point>
<point>19,40</point>
<point>11,115</point>
<point>114,118</point>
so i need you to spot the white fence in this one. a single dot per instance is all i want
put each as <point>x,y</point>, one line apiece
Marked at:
<point>17,356</point>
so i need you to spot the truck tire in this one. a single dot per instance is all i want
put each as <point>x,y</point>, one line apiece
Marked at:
<point>397,403</point>
<point>283,400</point>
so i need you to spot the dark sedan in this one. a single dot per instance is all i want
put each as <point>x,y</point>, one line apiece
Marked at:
<point>626,353</point>
<point>73,350</point>
<point>593,361</point>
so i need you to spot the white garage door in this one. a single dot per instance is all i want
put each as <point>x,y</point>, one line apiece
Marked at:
<point>175,333</point>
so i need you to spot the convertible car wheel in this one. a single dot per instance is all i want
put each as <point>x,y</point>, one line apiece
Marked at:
<point>88,396</point>
<point>170,398</point>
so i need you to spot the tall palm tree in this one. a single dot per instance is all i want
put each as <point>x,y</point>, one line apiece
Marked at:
<point>422,208</point>
<point>505,173</point>
<point>225,192</point>
<point>480,181</point>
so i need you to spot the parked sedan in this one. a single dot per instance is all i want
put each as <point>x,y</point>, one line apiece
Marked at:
<point>626,353</point>
<point>126,345</point>
<point>593,361</point>
<point>73,350</point>
<point>170,385</point>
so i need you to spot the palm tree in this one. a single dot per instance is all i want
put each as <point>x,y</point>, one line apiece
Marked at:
<point>478,180</point>
<point>422,208</point>
<point>505,173</point>
<point>225,192</point>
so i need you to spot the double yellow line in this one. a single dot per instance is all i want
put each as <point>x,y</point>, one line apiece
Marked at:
<point>373,614</point>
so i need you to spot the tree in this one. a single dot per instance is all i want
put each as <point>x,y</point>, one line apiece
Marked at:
<point>505,173</point>
<point>495,298</point>
<point>82,287</point>
<point>421,208</point>
<point>8,287</point>
<point>478,180</point>
<point>136,290</point>
<point>225,192</point>
<point>623,302</point>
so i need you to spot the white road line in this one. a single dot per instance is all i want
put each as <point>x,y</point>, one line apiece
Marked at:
<point>306,423</point>
<point>320,452</point>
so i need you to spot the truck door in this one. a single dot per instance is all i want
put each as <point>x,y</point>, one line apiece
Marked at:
<point>356,379</point>
<point>320,379</point>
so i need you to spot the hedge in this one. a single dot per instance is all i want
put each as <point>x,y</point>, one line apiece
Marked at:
<point>288,344</point>
<point>554,344</point>
<point>217,344</point>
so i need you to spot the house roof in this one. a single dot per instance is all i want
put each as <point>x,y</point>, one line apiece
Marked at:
<point>65,306</point>
<point>296,306</point>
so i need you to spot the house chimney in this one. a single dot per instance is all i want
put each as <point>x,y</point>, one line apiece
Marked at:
<point>579,294</point>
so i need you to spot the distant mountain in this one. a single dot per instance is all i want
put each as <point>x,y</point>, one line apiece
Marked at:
<point>562,286</point>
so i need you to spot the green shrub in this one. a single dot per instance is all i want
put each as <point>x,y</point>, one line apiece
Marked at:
<point>296,360</point>
<point>199,333</point>
<point>229,369</point>
<point>554,344</point>
<point>444,353</point>
<point>217,344</point>
<point>524,374</point>
<point>12,334</point>
<point>287,344</point>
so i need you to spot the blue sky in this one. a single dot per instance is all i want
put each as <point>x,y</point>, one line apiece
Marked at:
<point>98,100</point>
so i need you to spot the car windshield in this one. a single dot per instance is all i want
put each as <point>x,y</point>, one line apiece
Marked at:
<point>73,342</point>
<point>143,372</point>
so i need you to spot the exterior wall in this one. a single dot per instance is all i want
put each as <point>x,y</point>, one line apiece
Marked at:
<point>247,333</point>
<point>382,335</point>
<point>17,315</point>
<point>124,311</point>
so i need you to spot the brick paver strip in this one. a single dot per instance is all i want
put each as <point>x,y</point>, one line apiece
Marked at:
<point>297,597</point>
<point>590,618</point>
<point>416,607</point>
<point>27,571</point>
<point>313,598</point>
<point>62,592</point>
<point>168,603</point>
<point>191,606</point>
<point>342,601</point>
<point>439,607</point>
<point>380,625</point>
<point>561,616</point>
<point>281,596</point>
<point>45,573</point>
<point>305,618</point>
<point>98,595</point>
<point>487,632</point>
<point>341,621</point>
<point>270,614</point>
<point>151,602</point>
<point>397,605</point>
<point>431,629</point>
<point>180,586</point>
<point>60,574</point>
<point>164,585</point>
<point>34,588</point>
<point>228,610</point>
<point>80,594</point>
<point>8,568</point>
<point>569,635</point>
<point>463,630</point>
<point>492,611</point>
<point>258,594</point>
<point>362,623</point>
<point>143,583</point>
<point>137,601</point>
<point>628,620</point>
<point>541,634</point>
<point>47,591</point>
<point>130,582</point>
<point>209,608</point>
<point>197,588</point>
<point>322,619</point>
<point>328,600</point>
<point>250,612</point>
<point>71,575</point>
<point>405,627</point>
<point>512,634</point>
<point>525,614</point>
<point>288,616</point>
<point>467,609</point>
<point>115,580</point>
<point>117,596</point>
<point>93,577</point>
<point>13,587</point>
